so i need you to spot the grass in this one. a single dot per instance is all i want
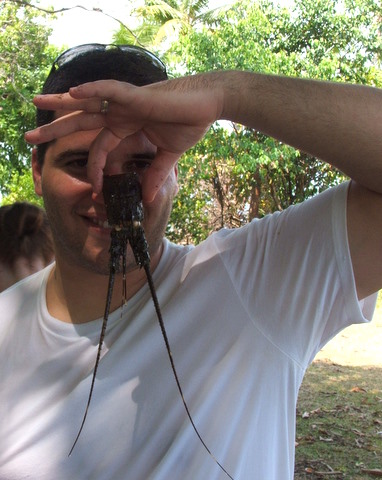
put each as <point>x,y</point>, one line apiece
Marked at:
<point>339,420</point>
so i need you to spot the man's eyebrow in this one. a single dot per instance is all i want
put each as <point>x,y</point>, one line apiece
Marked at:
<point>84,153</point>
<point>149,155</point>
<point>68,154</point>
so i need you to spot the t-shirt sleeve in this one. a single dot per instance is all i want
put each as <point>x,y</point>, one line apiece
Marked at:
<point>293,272</point>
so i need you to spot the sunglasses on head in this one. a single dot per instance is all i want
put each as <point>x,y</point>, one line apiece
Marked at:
<point>135,51</point>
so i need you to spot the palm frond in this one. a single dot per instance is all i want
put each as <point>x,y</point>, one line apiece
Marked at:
<point>214,14</point>
<point>161,11</point>
<point>167,31</point>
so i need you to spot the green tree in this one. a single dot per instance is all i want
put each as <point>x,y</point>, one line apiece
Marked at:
<point>236,174</point>
<point>25,57</point>
<point>163,21</point>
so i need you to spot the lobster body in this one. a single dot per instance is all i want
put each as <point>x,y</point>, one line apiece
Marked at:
<point>124,210</point>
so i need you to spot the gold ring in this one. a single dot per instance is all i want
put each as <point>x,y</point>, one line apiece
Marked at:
<point>104,107</point>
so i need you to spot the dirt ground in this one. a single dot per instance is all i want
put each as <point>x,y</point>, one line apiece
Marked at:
<point>357,345</point>
<point>340,403</point>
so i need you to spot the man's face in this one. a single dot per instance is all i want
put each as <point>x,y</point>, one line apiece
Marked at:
<point>77,215</point>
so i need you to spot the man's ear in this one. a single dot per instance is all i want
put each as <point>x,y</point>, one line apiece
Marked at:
<point>176,179</point>
<point>36,172</point>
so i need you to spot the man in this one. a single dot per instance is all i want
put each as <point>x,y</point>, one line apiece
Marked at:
<point>245,312</point>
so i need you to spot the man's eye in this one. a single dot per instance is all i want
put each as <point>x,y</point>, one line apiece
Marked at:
<point>78,163</point>
<point>141,164</point>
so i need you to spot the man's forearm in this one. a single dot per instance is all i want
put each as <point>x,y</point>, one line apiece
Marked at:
<point>339,123</point>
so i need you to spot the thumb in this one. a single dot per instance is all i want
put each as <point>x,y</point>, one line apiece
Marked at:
<point>157,174</point>
<point>105,141</point>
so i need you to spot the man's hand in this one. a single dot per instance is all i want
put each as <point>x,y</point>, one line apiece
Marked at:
<point>174,115</point>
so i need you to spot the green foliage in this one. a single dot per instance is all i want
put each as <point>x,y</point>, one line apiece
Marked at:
<point>237,173</point>
<point>21,188</point>
<point>327,40</point>
<point>335,40</point>
<point>25,57</point>
<point>161,21</point>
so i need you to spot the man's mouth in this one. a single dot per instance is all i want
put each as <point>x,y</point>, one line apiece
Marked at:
<point>99,223</point>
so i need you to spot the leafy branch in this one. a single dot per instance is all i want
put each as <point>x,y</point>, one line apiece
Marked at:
<point>52,11</point>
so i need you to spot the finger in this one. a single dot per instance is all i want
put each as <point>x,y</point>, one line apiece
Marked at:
<point>137,102</point>
<point>103,89</point>
<point>64,126</point>
<point>64,101</point>
<point>156,175</point>
<point>104,143</point>
<point>123,98</point>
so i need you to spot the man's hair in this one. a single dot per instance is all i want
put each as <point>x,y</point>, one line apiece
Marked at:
<point>98,64</point>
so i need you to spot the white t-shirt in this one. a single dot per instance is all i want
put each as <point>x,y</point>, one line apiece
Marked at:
<point>245,313</point>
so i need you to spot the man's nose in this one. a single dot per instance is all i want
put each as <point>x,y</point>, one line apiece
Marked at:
<point>116,165</point>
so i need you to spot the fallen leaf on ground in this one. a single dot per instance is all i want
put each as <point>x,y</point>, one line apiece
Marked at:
<point>358,389</point>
